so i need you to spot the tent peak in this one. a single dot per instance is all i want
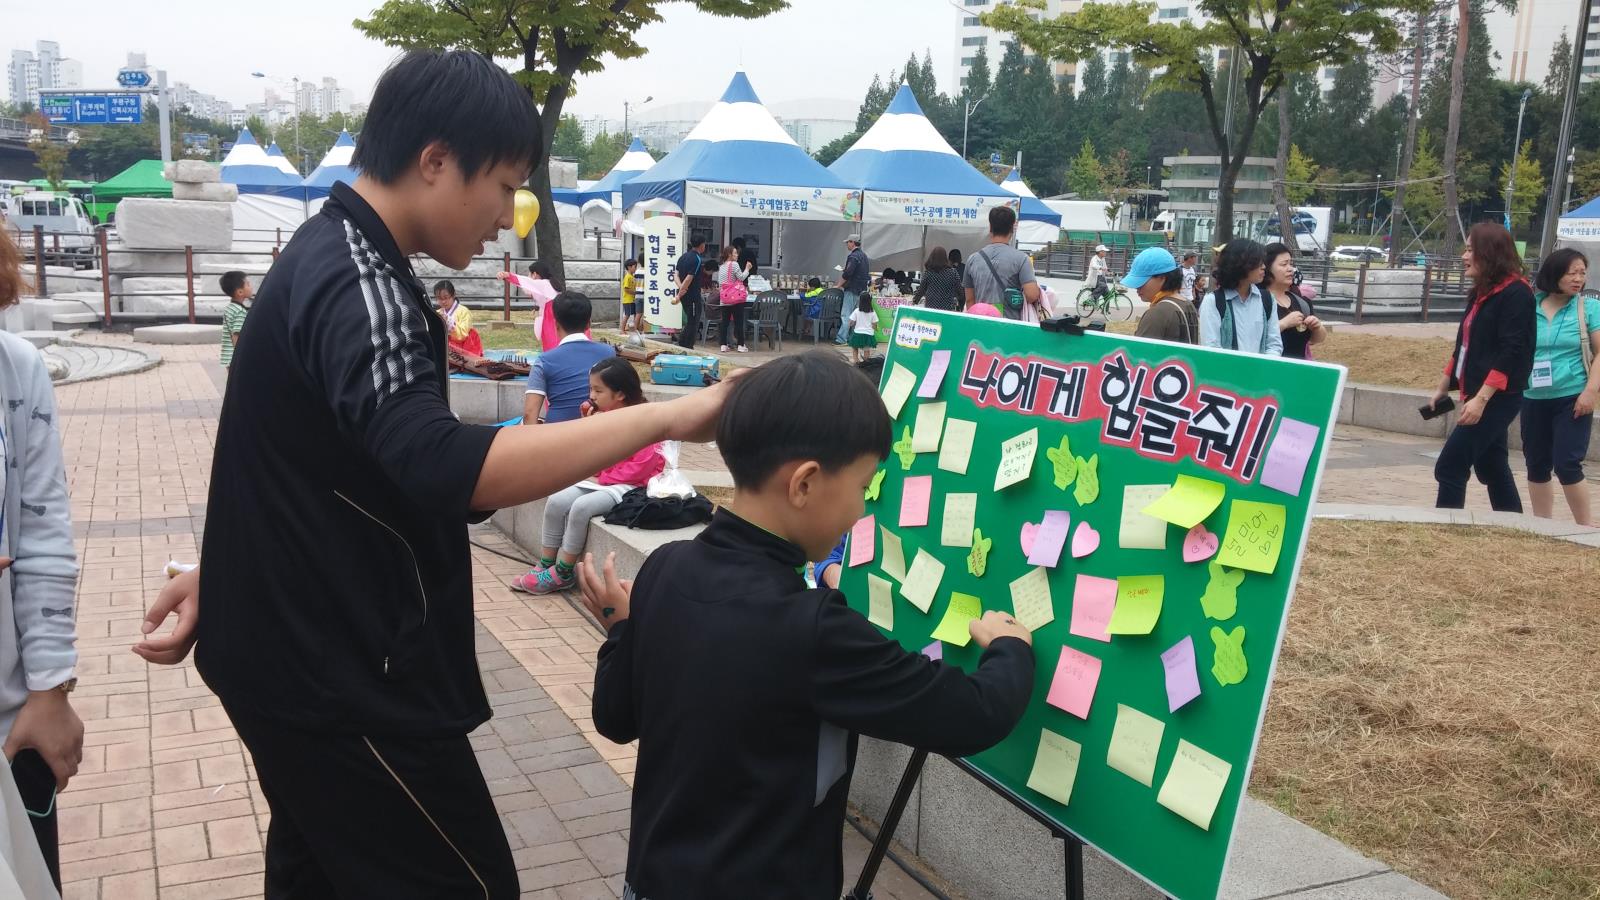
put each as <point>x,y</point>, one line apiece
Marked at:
<point>904,103</point>
<point>739,90</point>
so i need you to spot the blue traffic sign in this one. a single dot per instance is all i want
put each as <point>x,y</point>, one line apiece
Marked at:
<point>125,109</point>
<point>58,109</point>
<point>994,159</point>
<point>93,109</point>
<point>133,78</point>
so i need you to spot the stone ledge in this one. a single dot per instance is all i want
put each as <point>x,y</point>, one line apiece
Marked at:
<point>1394,409</point>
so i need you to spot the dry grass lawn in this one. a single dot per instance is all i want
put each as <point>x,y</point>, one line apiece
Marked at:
<point>1374,358</point>
<point>1437,706</point>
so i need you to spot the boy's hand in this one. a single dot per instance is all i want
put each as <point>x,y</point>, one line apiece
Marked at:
<point>694,418</point>
<point>996,624</point>
<point>48,724</point>
<point>604,594</point>
<point>180,595</point>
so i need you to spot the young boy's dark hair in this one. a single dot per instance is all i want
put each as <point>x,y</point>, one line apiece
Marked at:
<point>631,264</point>
<point>810,406</point>
<point>457,97</point>
<point>443,286</point>
<point>572,311</point>
<point>233,282</point>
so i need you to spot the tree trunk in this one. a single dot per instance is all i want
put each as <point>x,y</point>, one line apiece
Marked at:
<point>1280,190</point>
<point>1452,201</point>
<point>1413,113</point>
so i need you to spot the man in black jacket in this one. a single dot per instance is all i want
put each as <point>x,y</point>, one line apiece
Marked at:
<point>338,629</point>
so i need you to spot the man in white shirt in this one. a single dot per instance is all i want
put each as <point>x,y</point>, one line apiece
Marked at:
<point>1190,276</point>
<point>1098,274</point>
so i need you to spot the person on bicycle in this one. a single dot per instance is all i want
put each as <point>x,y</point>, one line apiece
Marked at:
<point>1000,273</point>
<point>1159,280</point>
<point>1098,273</point>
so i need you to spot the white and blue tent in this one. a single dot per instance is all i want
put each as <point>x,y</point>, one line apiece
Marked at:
<point>249,167</point>
<point>602,201</point>
<point>1037,224</point>
<point>1580,230</point>
<point>282,162</point>
<point>337,165</point>
<point>271,201</point>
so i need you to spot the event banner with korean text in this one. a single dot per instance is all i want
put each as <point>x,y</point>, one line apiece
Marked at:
<point>936,210</point>
<point>658,283</point>
<point>759,201</point>
<point>1142,508</point>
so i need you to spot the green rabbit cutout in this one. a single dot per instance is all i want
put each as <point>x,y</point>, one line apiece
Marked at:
<point>1221,599</point>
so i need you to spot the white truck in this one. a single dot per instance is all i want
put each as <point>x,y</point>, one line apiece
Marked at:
<point>1312,229</point>
<point>66,223</point>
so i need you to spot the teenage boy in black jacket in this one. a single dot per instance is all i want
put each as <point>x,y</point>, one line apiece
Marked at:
<point>745,689</point>
<point>338,627</point>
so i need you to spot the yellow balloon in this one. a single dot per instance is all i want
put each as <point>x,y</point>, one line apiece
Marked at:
<point>527,212</point>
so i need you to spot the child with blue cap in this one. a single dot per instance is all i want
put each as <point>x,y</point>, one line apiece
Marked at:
<point>1158,278</point>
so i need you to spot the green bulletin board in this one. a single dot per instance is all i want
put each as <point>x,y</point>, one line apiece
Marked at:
<point>1121,430</point>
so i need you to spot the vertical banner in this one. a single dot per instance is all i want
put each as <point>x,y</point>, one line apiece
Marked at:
<point>658,285</point>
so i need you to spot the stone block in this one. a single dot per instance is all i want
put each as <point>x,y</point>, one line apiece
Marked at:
<point>526,523</point>
<point>1274,855</point>
<point>593,270</point>
<point>563,173</point>
<point>511,395</point>
<point>474,400</point>
<point>1394,409</point>
<point>178,334</point>
<point>15,319</point>
<point>157,224</point>
<point>209,191</point>
<point>192,171</point>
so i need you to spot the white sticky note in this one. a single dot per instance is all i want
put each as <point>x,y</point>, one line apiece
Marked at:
<point>894,555</point>
<point>930,424</point>
<point>898,389</point>
<point>880,602</point>
<point>957,447</point>
<point>1140,531</point>
<point>960,513</point>
<point>922,582</point>
<point>1016,459</point>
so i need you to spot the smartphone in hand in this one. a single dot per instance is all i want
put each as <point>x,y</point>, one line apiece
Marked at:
<point>1434,412</point>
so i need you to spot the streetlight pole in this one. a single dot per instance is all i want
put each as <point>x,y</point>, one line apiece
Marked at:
<point>1563,160</point>
<point>299,149</point>
<point>972,106</point>
<point>1376,185</point>
<point>1516,150</point>
<point>1397,148</point>
<point>625,105</point>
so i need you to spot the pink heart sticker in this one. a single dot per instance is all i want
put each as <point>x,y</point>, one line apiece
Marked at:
<point>1199,544</point>
<point>1085,540</point>
<point>1029,531</point>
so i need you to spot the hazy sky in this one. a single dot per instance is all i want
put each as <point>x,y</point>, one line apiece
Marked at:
<point>816,48</point>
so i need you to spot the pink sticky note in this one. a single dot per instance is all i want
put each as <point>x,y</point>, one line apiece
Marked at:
<point>1285,468</point>
<point>934,651</point>
<point>1049,539</point>
<point>862,536</point>
<point>914,494</point>
<point>1072,688</point>
<point>1093,602</point>
<point>1182,683</point>
<point>933,379</point>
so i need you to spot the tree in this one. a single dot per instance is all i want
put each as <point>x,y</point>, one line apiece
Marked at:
<point>1264,50</point>
<point>553,42</point>
<point>1397,209</point>
<point>1529,187</point>
<point>1300,171</point>
<point>51,155</point>
<point>979,129</point>
<point>1085,176</point>
<point>1425,190</point>
<point>1466,102</point>
<point>873,105</point>
<point>1280,188</point>
<point>259,130</point>
<point>1586,175</point>
<point>568,142</point>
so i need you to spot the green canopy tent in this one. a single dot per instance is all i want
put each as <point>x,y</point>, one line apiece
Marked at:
<point>142,179</point>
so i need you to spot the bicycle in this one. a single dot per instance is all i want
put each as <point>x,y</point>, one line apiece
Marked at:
<point>1111,303</point>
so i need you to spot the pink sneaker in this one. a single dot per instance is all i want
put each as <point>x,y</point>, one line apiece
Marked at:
<point>543,581</point>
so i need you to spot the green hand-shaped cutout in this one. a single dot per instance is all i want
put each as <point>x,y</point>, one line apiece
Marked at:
<point>1221,599</point>
<point>903,447</point>
<point>876,486</point>
<point>978,558</point>
<point>1065,465</point>
<point>1228,666</point>
<point>1087,489</point>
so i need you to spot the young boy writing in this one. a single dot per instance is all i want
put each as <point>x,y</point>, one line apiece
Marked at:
<point>558,382</point>
<point>237,286</point>
<point>746,689</point>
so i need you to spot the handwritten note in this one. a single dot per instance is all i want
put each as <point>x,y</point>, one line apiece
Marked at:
<point>978,557</point>
<point>1138,604</point>
<point>861,549</point>
<point>960,510</point>
<point>1086,481</point>
<point>1183,684</point>
<point>1050,539</point>
<point>1229,665</point>
<point>953,627</point>
<point>933,379</point>
<point>1254,536</point>
<point>902,449</point>
<point>922,582</point>
<point>1062,463</point>
<point>1135,744</point>
<point>914,496</point>
<point>957,447</point>
<point>898,389</point>
<point>1285,468</point>
<point>1188,502</point>
<point>880,602</point>
<point>1055,766</point>
<point>1030,600</point>
<point>1072,687</point>
<point>930,424</point>
<point>1140,531</point>
<point>1016,459</point>
<point>894,554</point>
<point>1093,601</point>
<point>1194,785</point>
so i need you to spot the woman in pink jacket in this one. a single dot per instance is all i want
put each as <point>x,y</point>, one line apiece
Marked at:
<point>613,384</point>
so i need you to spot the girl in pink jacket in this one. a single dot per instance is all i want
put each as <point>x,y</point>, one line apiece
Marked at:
<point>613,384</point>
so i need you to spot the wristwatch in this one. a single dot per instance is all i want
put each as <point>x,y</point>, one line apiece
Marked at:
<point>68,686</point>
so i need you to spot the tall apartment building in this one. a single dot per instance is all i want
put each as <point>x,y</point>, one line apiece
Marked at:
<point>1523,40</point>
<point>43,68</point>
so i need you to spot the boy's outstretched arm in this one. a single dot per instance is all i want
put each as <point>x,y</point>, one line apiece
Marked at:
<point>869,684</point>
<point>607,598</point>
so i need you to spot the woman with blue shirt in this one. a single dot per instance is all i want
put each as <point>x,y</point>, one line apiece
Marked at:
<point>1238,315</point>
<point>1558,406</point>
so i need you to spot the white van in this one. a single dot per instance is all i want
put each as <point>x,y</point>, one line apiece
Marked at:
<point>65,221</point>
<point>1164,222</point>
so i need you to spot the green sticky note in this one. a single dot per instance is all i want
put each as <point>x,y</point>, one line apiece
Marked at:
<point>894,555</point>
<point>880,603</point>
<point>978,558</point>
<point>1138,604</point>
<point>953,627</point>
<point>922,582</point>
<point>957,447</point>
<point>1188,502</point>
<point>1228,666</point>
<point>1135,743</point>
<point>1194,785</point>
<point>903,448</point>
<point>876,487</point>
<point>1055,766</point>
<point>930,424</point>
<point>960,511</point>
<point>1254,536</point>
<point>898,389</point>
<point>1087,488</point>
<point>1063,463</point>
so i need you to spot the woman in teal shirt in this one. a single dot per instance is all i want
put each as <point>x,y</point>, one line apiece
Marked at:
<point>1558,406</point>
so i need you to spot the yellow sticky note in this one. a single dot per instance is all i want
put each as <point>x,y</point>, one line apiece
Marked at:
<point>880,602</point>
<point>1138,604</point>
<point>1055,766</point>
<point>1030,599</point>
<point>1188,503</point>
<point>1140,531</point>
<point>930,424</point>
<point>1016,459</point>
<point>898,389</point>
<point>953,627</point>
<point>894,555</point>
<point>1135,744</point>
<point>957,446</point>
<point>922,582</point>
<point>1194,785</point>
<point>1254,536</point>
<point>960,510</point>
